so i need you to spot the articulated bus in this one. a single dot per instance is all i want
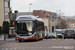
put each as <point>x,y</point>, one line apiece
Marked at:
<point>29,27</point>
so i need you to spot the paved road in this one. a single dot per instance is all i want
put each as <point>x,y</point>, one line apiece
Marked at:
<point>46,44</point>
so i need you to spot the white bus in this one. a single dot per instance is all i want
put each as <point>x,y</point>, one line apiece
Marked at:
<point>29,27</point>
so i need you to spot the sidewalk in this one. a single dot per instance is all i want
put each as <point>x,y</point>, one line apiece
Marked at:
<point>8,40</point>
<point>11,39</point>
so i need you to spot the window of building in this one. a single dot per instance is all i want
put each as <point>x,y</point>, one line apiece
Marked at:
<point>6,4</point>
<point>6,15</point>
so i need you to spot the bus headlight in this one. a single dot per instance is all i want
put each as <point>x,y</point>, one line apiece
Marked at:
<point>17,36</point>
<point>30,33</point>
<point>10,32</point>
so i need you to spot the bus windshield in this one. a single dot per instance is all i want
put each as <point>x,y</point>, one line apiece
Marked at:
<point>26,26</point>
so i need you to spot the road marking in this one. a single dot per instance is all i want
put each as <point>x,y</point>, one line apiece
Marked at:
<point>23,47</point>
<point>19,48</point>
<point>10,48</point>
<point>44,47</point>
<point>61,39</point>
<point>28,47</point>
<point>2,49</point>
<point>32,47</point>
<point>64,47</point>
<point>40,47</point>
<point>6,48</point>
<point>36,47</point>
<point>15,48</point>
<point>48,47</point>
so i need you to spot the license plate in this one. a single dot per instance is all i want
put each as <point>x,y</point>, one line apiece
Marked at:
<point>25,38</point>
<point>68,34</point>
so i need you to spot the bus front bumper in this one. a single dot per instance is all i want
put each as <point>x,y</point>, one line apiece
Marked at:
<point>26,38</point>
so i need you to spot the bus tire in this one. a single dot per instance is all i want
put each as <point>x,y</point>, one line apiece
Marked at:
<point>20,40</point>
<point>41,39</point>
<point>64,38</point>
<point>73,38</point>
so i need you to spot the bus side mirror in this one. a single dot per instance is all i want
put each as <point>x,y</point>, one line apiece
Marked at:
<point>15,22</point>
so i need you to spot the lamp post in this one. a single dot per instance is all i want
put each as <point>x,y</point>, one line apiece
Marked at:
<point>49,23</point>
<point>29,6</point>
<point>58,13</point>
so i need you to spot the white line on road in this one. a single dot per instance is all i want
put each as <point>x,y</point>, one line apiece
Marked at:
<point>31,47</point>
<point>36,47</point>
<point>44,47</point>
<point>64,47</point>
<point>19,48</point>
<point>23,47</point>
<point>48,47</point>
<point>15,48</point>
<point>10,48</point>
<point>6,48</point>
<point>40,47</point>
<point>28,47</point>
<point>2,48</point>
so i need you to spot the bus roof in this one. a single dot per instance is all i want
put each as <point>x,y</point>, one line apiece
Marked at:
<point>28,17</point>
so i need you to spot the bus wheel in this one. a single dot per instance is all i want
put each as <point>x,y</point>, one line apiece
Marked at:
<point>73,38</point>
<point>64,38</point>
<point>41,39</point>
<point>20,40</point>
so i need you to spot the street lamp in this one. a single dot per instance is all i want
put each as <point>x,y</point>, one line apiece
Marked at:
<point>58,13</point>
<point>29,6</point>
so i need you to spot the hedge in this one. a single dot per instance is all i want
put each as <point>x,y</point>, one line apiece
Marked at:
<point>5,27</point>
<point>0,30</point>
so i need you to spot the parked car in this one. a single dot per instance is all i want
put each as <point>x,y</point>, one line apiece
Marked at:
<point>69,34</point>
<point>63,30</point>
<point>59,34</point>
<point>51,35</point>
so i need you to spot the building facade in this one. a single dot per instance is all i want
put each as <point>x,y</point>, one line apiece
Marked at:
<point>48,18</point>
<point>71,25</point>
<point>4,11</point>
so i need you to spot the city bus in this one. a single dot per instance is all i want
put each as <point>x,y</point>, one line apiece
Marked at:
<point>29,27</point>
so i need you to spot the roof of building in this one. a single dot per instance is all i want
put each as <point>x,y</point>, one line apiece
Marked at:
<point>71,22</point>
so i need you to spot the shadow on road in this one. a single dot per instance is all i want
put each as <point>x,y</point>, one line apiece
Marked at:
<point>27,41</point>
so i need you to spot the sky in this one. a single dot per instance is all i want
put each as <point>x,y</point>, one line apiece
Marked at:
<point>65,7</point>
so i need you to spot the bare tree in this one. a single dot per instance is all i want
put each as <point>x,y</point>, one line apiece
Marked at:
<point>61,25</point>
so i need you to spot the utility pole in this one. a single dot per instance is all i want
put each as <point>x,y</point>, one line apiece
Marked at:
<point>30,7</point>
<point>49,21</point>
<point>50,24</point>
